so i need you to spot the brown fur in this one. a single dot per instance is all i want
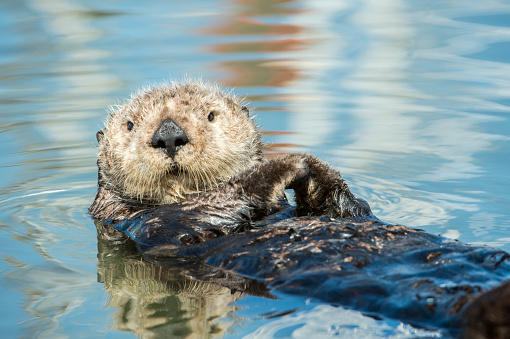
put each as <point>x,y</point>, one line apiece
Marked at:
<point>133,175</point>
<point>489,315</point>
<point>216,183</point>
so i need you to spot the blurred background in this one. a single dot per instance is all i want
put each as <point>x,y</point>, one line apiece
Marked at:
<point>410,100</point>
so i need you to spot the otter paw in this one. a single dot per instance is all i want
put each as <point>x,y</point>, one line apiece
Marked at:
<point>300,172</point>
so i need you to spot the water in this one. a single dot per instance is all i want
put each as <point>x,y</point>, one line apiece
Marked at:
<point>410,100</point>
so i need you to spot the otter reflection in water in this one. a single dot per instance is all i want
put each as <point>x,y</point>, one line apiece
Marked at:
<point>181,173</point>
<point>168,300</point>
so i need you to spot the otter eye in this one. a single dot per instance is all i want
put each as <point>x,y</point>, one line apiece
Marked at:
<point>130,126</point>
<point>210,117</point>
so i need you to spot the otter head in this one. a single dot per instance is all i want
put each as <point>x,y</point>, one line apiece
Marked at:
<point>175,140</point>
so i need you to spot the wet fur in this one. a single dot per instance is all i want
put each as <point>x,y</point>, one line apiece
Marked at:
<point>220,169</point>
<point>133,175</point>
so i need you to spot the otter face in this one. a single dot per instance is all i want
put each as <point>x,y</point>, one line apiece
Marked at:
<point>176,140</point>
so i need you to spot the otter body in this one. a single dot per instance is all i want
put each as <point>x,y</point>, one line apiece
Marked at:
<point>181,173</point>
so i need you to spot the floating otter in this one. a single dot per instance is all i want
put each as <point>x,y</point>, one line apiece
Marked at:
<point>171,144</point>
<point>181,173</point>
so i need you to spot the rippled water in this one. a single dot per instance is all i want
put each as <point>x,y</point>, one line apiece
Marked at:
<point>410,100</point>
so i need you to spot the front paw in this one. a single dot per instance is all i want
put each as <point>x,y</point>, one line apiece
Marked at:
<point>298,172</point>
<point>323,192</point>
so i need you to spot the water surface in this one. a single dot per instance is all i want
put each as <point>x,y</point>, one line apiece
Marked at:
<point>409,100</point>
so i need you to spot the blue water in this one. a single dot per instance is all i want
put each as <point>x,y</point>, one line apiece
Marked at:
<point>409,100</point>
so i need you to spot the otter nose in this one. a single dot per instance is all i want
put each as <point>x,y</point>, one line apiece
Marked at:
<point>169,137</point>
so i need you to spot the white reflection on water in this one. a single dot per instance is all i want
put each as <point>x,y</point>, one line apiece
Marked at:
<point>325,321</point>
<point>417,109</point>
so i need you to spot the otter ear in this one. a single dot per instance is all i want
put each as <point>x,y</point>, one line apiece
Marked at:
<point>99,135</point>
<point>245,110</point>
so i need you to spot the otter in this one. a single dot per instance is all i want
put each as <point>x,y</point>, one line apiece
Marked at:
<point>169,143</point>
<point>181,174</point>
<point>193,145</point>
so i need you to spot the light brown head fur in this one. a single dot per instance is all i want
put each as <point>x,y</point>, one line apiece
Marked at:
<point>135,171</point>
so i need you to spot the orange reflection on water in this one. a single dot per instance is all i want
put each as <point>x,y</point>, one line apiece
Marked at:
<point>275,149</point>
<point>261,46</point>
<point>244,26</point>
<point>275,37</point>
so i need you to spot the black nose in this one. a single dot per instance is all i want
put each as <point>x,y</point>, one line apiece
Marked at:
<point>169,137</point>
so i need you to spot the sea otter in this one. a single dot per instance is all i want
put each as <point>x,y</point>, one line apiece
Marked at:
<point>193,145</point>
<point>181,173</point>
